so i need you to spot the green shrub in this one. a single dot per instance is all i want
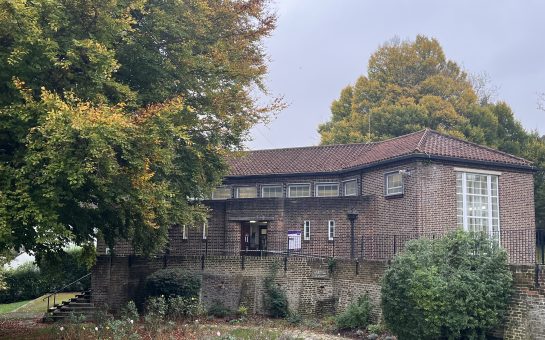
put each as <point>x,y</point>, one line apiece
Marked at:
<point>242,311</point>
<point>179,307</point>
<point>156,311</point>
<point>172,282</point>
<point>275,299</point>
<point>378,328</point>
<point>294,318</point>
<point>454,287</point>
<point>23,283</point>
<point>50,272</point>
<point>218,309</point>
<point>356,315</point>
<point>129,312</point>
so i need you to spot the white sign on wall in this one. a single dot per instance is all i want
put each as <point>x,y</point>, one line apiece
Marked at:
<point>294,239</point>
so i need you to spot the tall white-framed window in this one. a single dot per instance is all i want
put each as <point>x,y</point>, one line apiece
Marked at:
<point>326,189</point>
<point>272,191</point>
<point>205,231</point>
<point>478,203</point>
<point>221,193</point>
<point>350,187</point>
<point>246,192</point>
<point>184,232</point>
<point>306,230</point>
<point>330,230</point>
<point>393,183</point>
<point>299,190</point>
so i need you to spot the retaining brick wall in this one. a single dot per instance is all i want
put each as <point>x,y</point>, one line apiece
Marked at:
<point>311,288</point>
<point>236,281</point>
<point>526,314</point>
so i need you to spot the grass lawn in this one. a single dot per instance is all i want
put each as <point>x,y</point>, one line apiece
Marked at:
<point>40,305</point>
<point>10,307</point>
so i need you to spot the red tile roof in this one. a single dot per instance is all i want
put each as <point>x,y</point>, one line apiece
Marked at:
<point>345,157</point>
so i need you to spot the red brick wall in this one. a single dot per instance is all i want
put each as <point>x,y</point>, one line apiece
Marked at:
<point>311,289</point>
<point>428,206</point>
<point>526,313</point>
<point>236,281</point>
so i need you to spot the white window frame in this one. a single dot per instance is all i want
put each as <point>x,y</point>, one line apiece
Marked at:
<point>318,184</point>
<point>299,184</point>
<point>331,230</point>
<point>222,198</point>
<point>272,186</point>
<point>489,177</point>
<point>184,232</point>
<point>237,191</point>
<point>386,183</point>
<point>306,230</point>
<point>348,181</point>
<point>204,231</point>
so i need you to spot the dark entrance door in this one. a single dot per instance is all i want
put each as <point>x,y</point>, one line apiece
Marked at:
<point>253,238</point>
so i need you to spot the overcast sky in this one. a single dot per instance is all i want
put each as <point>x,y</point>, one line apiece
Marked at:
<point>320,46</point>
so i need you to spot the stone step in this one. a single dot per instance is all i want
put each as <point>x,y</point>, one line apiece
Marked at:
<point>76,309</point>
<point>80,306</point>
<point>80,300</point>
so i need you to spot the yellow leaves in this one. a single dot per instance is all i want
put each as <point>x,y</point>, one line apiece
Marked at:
<point>144,177</point>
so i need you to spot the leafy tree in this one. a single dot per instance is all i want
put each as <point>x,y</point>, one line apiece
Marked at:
<point>115,115</point>
<point>60,269</point>
<point>456,287</point>
<point>411,85</point>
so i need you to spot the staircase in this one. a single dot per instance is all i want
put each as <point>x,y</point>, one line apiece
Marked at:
<point>80,307</point>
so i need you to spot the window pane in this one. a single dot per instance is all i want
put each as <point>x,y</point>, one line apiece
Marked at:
<point>477,203</point>
<point>331,230</point>
<point>272,191</point>
<point>351,188</point>
<point>327,190</point>
<point>394,184</point>
<point>246,192</point>
<point>306,233</point>
<point>299,190</point>
<point>221,193</point>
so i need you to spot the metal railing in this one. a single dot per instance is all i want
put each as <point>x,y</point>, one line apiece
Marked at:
<point>520,245</point>
<point>54,294</point>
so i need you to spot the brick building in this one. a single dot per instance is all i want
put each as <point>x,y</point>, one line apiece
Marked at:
<point>365,200</point>
<point>359,203</point>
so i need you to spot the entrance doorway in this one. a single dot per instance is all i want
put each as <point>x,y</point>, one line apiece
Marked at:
<point>253,237</point>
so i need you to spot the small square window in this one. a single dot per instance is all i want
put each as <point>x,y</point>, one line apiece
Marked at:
<point>327,189</point>
<point>271,191</point>
<point>394,184</point>
<point>299,190</point>
<point>221,193</point>
<point>351,188</point>
<point>246,192</point>
<point>306,231</point>
<point>331,230</point>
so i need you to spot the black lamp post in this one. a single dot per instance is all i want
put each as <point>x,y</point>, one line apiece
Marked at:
<point>352,217</point>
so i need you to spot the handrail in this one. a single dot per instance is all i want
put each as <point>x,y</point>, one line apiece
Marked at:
<point>68,285</point>
<point>62,288</point>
